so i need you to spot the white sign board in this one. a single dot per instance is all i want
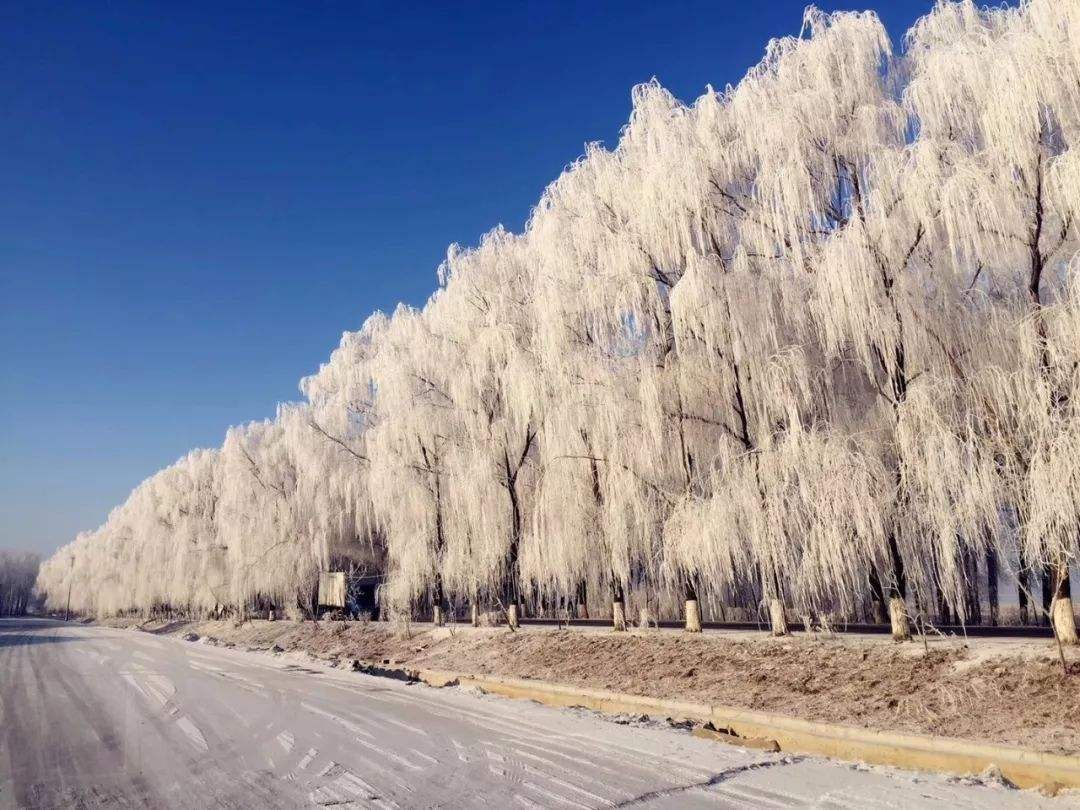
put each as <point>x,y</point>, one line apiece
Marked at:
<point>332,588</point>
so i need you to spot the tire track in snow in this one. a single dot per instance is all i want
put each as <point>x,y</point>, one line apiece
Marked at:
<point>532,771</point>
<point>286,740</point>
<point>158,691</point>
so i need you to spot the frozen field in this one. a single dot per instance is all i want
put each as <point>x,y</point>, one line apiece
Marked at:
<point>92,716</point>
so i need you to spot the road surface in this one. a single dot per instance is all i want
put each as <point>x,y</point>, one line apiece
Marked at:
<point>93,717</point>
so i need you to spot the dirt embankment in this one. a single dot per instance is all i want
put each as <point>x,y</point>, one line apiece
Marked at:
<point>1013,694</point>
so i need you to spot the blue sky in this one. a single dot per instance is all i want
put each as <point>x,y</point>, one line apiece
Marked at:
<point>199,198</point>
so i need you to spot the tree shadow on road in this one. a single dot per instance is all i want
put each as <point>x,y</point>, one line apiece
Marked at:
<point>23,639</point>
<point>22,632</point>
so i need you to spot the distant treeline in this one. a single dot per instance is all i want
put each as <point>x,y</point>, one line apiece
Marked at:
<point>18,573</point>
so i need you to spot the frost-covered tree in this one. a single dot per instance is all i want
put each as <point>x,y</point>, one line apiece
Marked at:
<point>409,442</point>
<point>996,99</point>
<point>484,312</point>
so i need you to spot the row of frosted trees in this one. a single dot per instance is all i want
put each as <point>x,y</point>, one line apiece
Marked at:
<point>809,346</point>
<point>247,526</point>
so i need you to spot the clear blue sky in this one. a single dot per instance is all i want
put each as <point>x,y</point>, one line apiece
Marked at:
<point>198,198</point>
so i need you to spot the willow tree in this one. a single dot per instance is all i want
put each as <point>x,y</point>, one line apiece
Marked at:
<point>484,311</point>
<point>185,529</point>
<point>409,444</point>
<point>630,219</point>
<point>779,155</point>
<point>342,414</point>
<point>597,512</point>
<point>270,528</point>
<point>826,201</point>
<point>995,95</point>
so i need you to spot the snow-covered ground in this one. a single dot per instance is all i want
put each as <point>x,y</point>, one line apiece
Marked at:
<point>92,716</point>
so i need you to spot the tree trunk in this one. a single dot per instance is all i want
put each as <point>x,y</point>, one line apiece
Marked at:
<point>992,584</point>
<point>1047,594</point>
<point>1061,610</point>
<point>777,617</point>
<point>944,614</point>
<point>511,583</point>
<point>693,616</point>
<point>1057,598</point>
<point>510,577</point>
<point>618,617</point>
<point>618,606</point>
<point>474,614</point>
<point>898,619</point>
<point>693,612</point>
<point>645,619</point>
<point>972,603</point>
<point>1022,585</point>
<point>877,597</point>
<point>582,602</point>
<point>437,601</point>
<point>1064,621</point>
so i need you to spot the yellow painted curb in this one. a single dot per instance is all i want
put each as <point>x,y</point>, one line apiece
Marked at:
<point>1024,767</point>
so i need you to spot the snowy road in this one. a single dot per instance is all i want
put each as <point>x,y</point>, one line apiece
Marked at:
<point>98,717</point>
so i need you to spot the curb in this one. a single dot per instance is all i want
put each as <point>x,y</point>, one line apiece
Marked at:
<point>1023,767</point>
